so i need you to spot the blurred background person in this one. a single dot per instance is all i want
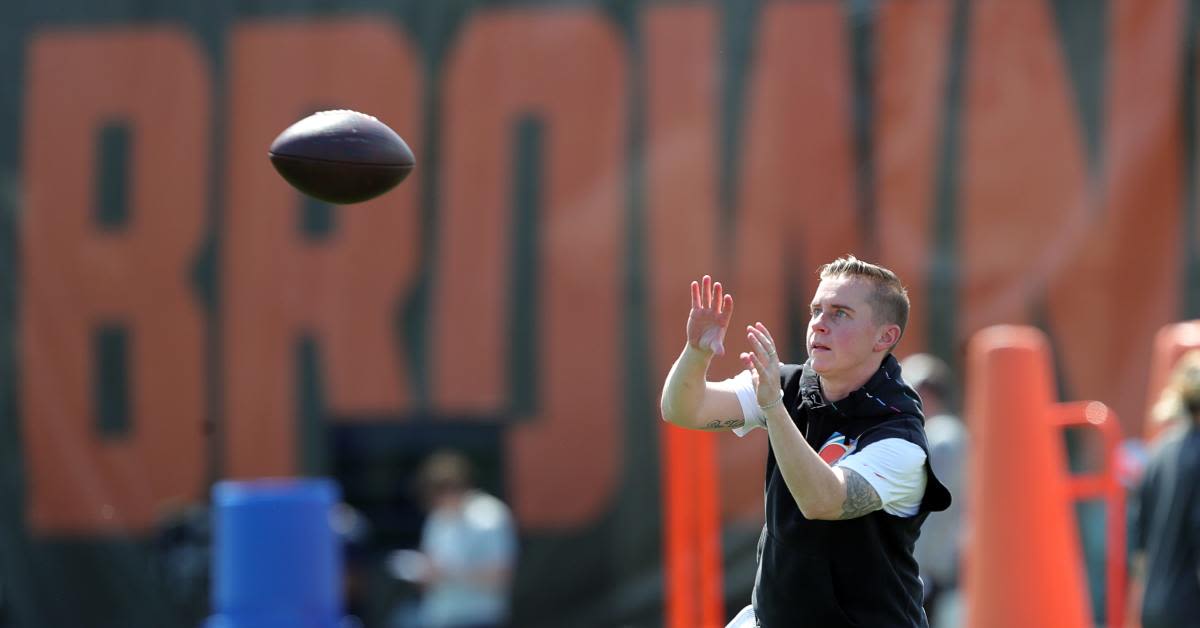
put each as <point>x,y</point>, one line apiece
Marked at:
<point>467,554</point>
<point>939,547</point>
<point>355,533</point>
<point>1165,509</point>
<point>182,555</point>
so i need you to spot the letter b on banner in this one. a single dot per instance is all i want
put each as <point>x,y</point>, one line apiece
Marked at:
<point>112,379</point>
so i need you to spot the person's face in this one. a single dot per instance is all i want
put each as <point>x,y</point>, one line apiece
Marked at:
<point>443,495</point>
<point>842,332</point>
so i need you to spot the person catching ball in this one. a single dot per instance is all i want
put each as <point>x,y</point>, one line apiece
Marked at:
<point>848,479</point>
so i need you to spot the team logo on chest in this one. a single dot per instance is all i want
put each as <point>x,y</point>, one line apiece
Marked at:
<point>836,447</point>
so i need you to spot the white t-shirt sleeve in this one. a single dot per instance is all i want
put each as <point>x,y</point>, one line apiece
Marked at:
<point>895,468</point>
<point>743,385</point>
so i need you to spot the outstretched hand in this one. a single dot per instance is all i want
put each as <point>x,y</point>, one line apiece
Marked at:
<point>709,318</point>
<point>763,362</point>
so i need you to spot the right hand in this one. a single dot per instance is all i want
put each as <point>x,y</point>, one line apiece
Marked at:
<point>709,318</point>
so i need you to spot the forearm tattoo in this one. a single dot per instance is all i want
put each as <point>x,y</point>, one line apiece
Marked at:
<point>727,424</point>
<point>861,498</point>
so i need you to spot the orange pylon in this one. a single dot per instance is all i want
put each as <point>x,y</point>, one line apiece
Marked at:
<point>1023,562</point>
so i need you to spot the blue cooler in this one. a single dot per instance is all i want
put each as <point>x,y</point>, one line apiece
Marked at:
<point>277,560</point>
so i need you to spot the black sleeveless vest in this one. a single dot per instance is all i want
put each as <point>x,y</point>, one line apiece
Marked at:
<point>856,572</point>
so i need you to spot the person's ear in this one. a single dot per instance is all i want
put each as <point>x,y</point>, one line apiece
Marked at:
<point>887,338</point>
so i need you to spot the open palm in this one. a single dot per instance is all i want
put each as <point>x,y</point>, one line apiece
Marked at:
<point>710,315</point>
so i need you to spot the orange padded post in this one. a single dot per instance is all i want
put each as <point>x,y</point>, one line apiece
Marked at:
<point>1023,562</point>
<point>693,577</point>
<point>1102,485</point>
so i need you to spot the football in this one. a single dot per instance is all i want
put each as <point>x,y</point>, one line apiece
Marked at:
<point>341,156</point>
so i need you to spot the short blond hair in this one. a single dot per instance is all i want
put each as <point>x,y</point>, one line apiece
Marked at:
<point>890,299</point>
<point>1180,398</point>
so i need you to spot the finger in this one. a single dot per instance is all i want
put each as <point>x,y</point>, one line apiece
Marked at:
<point>756,344</point>
<point>765,352</point>
<point>727,306</point>
<point>719,297</point>
<point>763,329</point>
<point>763,339</point>
<point>759,367</point>
<point>695,295</point>
<point>706,292</point>
<point>758,336</point>
<point>748,361</point>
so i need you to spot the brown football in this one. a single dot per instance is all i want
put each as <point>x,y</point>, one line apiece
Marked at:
<point>341,156</point>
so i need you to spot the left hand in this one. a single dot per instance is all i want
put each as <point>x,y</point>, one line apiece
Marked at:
<point>764,361</point>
